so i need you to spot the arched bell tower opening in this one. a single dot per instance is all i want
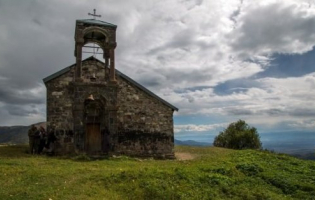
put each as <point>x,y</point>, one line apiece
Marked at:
<point>101,33</point>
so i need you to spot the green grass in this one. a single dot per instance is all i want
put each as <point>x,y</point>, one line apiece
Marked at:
<point>215,173</point>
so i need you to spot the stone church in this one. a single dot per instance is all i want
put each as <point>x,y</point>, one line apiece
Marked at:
<point>95,109</point>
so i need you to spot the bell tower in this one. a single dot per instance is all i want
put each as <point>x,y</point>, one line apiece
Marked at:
<point>100,33</point>
<point>94,103</point>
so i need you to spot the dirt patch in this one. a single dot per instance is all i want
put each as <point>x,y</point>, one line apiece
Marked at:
<point>184,156</point>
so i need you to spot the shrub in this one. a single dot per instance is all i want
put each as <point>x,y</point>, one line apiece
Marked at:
<point>238,135</point>
<point>249,169</point>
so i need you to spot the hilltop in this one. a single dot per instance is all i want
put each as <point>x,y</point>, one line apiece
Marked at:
<point>208,173</point>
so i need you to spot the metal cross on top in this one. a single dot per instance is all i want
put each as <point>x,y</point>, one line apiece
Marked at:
<point>94,14</point>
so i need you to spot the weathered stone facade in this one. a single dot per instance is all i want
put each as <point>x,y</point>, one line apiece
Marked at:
<point>144,124</point>
<point>132,120</point>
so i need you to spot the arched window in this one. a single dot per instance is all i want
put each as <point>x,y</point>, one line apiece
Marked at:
<point>92,48</point>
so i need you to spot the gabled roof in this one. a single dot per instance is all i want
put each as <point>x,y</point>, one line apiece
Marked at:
<point>97,22</point>
<point>120,74</point>
<point>59,73</point>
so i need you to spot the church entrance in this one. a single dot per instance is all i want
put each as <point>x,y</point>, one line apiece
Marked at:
<point>93,142</point>
<point>96,140</point>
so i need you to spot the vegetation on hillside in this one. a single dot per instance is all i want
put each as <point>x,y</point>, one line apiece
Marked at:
<point>215,173</point>
<point>238,135</point>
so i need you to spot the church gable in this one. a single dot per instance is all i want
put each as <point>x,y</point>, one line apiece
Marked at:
<point>93,71</point>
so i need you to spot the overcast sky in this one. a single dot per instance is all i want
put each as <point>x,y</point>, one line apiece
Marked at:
<point>217,61</point>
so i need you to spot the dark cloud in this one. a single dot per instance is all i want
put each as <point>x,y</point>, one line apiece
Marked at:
<point>37,21</point>
<point>191,75</point>
<point>20,97</point>
<point>276,27</point>
<point>239,111</point>
<point>192,3</point>
<point>190,98</point>
<point>199,2</point>
<point>176,78</point>
<point>151,80</point>
<point>182,40</point>
<point>19,110</point>
<point>237,12</point>
<point>275,112</point>
<point>34,44</point>
<point>296,112</point>
<point>191,89</point>
<point>303,112</point>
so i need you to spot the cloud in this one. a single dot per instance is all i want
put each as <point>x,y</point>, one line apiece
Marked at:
<point>13,95</point>
<point>274,101</point>
<point>197,128</point>
<point>239,111</point>
<point>20,111</point>
<point>304,124</point>
<point>274,27</point>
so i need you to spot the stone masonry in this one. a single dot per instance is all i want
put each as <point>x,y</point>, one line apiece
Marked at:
<point>133,121</point>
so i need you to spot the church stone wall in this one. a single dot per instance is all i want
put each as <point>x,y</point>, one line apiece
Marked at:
<point>59,112</point>
<point>140,125</point>
<point>65,103</point>
<point>145,124</point>
<point>93,72</point>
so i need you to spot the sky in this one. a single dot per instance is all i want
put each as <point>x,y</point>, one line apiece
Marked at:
<point>217,61</point>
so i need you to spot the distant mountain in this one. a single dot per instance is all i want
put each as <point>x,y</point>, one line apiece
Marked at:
<point>16,134</point>
<point>191,143</point>
<point>306,156</point>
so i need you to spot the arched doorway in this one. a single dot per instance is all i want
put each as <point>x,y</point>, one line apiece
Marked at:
<point>93,111</point>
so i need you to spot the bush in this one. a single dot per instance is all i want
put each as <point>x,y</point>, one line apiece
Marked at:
<point>238,135</point>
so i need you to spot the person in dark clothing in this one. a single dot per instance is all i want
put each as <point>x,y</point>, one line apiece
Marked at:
<point>42,139</point>
<point>50,145</point>
<point>36,141</point>
<point>31,138</point>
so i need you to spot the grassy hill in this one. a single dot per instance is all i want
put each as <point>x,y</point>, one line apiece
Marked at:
<point>213,173</point>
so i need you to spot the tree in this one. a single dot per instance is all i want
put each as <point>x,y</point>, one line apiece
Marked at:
<point>238,135</point>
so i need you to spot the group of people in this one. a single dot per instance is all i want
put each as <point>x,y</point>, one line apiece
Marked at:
<point>40,141</point>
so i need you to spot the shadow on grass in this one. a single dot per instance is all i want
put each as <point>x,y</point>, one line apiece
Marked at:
<point>87,158</point>
<point>22,151</point>
<point>14,151</point>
